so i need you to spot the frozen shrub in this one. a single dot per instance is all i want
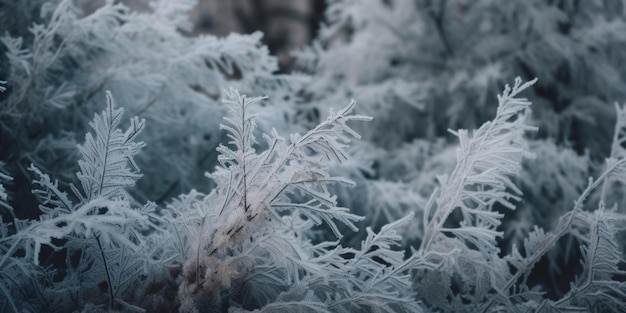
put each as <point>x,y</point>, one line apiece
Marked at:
<point>431,224</point>
<point>61,61</point>
<point>436,65</point>
<point>96,225</point>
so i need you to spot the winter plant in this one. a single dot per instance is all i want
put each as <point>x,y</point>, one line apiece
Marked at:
<point>61,59</point>
<point>436,65</point>
<point>404,219</point>
<point>248,244</point>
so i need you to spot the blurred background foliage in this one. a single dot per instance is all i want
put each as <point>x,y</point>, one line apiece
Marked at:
<point>286,25</point>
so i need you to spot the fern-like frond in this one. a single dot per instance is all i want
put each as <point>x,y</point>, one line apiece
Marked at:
<point>53,201</point>
<point>486,160</point>
<point>102,225</point>
<point>374,277</point>
<point>539,242</point>
<point>258,184</point>
<point>107,165</point>
<point>597,289</point>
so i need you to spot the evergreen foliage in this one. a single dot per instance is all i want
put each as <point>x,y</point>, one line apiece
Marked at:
<point>62,63</point>
<point>404,219</point>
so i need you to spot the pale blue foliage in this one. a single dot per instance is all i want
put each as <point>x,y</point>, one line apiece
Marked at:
<point>65,62</point>
<point>264,203</point>
<point>407,220</point>
<point>473,275</point>
<point>107,164</point>
<point>481,178</point>
<point>434,65</point>
<point>451,56</point>
<point>595,289</point>
<point>247,244</point>
<point>103,227</point>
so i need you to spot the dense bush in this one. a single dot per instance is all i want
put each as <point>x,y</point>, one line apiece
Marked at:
<point>423,67</point>
<point>199,204</point>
